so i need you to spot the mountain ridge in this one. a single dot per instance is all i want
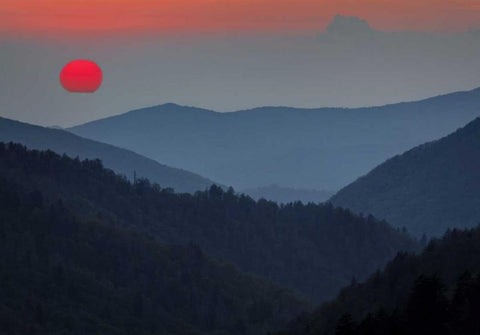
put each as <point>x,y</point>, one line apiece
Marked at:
<point>280,108</point>
<point>313,249</point>
<point>123,161</point>
<point>397,300</point>
<point>66,272</point>
<point>427,189</point>
<point>299,148</point>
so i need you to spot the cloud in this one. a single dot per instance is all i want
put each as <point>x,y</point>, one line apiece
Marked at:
<point>349,26</point>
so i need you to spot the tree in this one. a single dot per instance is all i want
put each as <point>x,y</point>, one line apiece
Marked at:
<point>465,309</point>
<point>427,307</point>
<point>345,325</point>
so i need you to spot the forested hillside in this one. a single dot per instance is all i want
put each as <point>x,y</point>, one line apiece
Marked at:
<point>64,274</point>
<point>428,189</point>
<point>437,292</point>
<point>120,160</point>
<point>287,194</point>
<point>313,249</point>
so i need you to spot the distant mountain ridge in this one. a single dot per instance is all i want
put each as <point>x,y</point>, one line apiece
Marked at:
<point>122,161</point>
<point>428,189</point>
<point>324,148</point>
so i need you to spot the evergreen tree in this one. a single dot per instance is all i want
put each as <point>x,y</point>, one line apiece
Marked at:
<point>427,307</point>
<point>345,325</point>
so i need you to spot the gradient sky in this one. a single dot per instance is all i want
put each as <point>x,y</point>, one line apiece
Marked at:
<point>152,16</point>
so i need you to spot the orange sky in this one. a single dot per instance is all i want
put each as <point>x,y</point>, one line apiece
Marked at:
<point>97,16</point>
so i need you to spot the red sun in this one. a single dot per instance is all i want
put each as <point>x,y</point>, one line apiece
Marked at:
<point>81,76</point>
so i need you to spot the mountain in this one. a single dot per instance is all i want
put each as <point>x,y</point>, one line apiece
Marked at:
<point>325,148</point>
<point>313,249</point>
<point>436,292</point>
<point>121,161</point>
<point>61,273</point>
<point>428,189</point>
<point>287,194</point>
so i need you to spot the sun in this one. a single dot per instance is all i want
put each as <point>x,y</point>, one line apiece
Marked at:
<point>81,76</point>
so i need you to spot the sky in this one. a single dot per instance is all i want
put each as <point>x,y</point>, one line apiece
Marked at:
<point>114,16</point>
<point>229,55</point>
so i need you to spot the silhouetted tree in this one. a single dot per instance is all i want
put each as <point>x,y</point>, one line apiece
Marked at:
<point>345,325</point>
<point>427,307</point>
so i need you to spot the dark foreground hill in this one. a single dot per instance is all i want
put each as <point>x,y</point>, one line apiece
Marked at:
<point>63,274</point>
<point>120,160</point>
<point>427,189</point>
<point>437,292</point>
<point>313,249</point>
<point>323,149</point>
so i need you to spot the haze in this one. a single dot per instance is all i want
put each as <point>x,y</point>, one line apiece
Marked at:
<point>341,67</point>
